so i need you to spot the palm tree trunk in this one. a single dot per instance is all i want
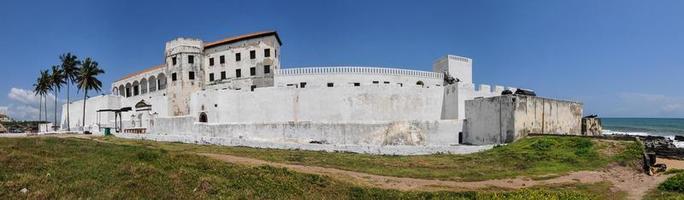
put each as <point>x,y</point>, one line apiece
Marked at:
<point>40,110</point>
<point>45,113</point>
<point>68,102</point>
<point>85,97</point>
<point>55,124</point>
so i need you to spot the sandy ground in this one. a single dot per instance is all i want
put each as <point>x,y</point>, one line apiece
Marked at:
<point>634,183</point>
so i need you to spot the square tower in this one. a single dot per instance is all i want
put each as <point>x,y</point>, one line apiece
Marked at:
<point>456,66</point>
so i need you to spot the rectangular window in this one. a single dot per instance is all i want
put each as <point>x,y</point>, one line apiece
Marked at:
<point>237,57</point>
<point>386,82</point>
<point>252,71</point>
<point>211,61</point>
<point>252,88</point>
<point>252,54</point>
<point>191,59</point>
<point>211,76</point>
<point>331,84</point>
<point>267,53</point>
<point>173,60</point>
<point>173,77</point>
<point>357,84</point>
<point>191,75</point>
<point>376,82</point>
<point>238,73</point>
<point>222,59</point>
<point>302,85</point>
<point>223,75</point>
<point>267,69</point>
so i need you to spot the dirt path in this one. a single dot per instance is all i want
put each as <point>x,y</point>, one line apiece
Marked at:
<point>625,179</point>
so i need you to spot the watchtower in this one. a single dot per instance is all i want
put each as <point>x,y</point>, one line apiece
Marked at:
<point>184,66</point>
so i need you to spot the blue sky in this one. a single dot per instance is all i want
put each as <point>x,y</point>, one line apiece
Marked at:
<point>621,58</point>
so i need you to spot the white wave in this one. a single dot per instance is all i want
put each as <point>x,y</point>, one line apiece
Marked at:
<point>678,144</point>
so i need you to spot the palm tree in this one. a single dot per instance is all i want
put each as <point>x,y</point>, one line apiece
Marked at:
<point>70,69</point>
<point>87,80</point>
<point>41,88</point>
<point>56,82</point>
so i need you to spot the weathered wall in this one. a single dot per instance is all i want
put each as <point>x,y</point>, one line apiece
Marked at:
<point>346,76</point>
<point>592,126</point>
<point>504,119</point>
<point>92,105</point>
<point>337,104</point>
<point>414,133</point>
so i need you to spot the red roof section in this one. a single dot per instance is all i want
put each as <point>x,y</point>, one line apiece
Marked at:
<point>243,37</point>
<point>142,72</point>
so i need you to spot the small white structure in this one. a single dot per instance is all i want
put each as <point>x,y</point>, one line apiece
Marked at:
<point>234,92</point>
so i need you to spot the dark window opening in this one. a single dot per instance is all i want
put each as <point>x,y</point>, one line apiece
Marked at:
<point>173,77</point>
<point>252,71</point>
<point>252,54</point>
<point>237,57</point>
<point>238,73</point>
<point>203,118</point>
<point>420,83</point>
<point>267,53</point>
<point>211,76</point>
<point>211,61</point>
<point>401,84</point>
<point>223,75</point>
<point>386,82</point>
<point>275,52</point>
<point>222,59</point>
<point>136,91</point>
<point>173,60</point>
<point>191,59</point>
<point>302,85</point>
<point>376,82</point>
<point>331,84</point>
<point>267,69</point>
<point>252,88</point>
<point>357,84</point>
<point>191,75</point>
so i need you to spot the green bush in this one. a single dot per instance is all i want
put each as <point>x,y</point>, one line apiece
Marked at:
<point>673,184</point>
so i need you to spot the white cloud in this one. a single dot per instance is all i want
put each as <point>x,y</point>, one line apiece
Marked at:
<point>26,105</point>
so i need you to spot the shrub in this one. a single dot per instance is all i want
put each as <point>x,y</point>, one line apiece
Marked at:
<point>673,184</point>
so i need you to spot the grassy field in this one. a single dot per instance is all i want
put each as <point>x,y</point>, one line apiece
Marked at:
<point>72,168</point>
<point>535,157</point>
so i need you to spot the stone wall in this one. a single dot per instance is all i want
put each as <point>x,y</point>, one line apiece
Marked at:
<point>336,104</point>
<point>504,119</point>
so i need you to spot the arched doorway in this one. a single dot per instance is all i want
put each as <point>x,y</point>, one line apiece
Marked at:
<point>420,83</point>
<point>203,118</point>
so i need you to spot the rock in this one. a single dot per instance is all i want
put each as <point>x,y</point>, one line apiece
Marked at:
<point>24,190</point>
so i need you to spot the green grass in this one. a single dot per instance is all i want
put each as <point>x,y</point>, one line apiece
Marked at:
<point>535,157</point>
<point>71,168</point>
<point>672,188</point>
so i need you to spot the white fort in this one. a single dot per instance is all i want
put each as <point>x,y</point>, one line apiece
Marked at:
<point>234,92</point>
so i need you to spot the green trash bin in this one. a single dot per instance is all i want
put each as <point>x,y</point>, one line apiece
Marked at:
<point>107,131</point>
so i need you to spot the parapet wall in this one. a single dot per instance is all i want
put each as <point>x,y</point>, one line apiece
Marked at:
<point>347,76</point>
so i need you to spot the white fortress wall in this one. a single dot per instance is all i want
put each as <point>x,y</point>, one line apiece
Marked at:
<point>92,105</point>
<point>348,76</point>
<point>410,133</point>
<point>370,103</point>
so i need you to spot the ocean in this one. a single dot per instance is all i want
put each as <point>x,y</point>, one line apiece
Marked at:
<point>668,127</point>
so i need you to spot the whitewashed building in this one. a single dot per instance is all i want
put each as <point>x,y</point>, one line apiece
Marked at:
<point>234,92</point>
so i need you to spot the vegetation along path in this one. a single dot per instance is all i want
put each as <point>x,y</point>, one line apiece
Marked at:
<point>626,179</point>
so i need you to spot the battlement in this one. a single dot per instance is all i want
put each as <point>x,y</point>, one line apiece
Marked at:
<point>356,70</point>
<point>183,45</point>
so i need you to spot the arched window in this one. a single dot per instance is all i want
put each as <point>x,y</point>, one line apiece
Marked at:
<point>203,118</point>
<point>152,83</point>
<point>161,81</point>
<point>143,86</point>
<point>420,83</point>
<point>122,91</point>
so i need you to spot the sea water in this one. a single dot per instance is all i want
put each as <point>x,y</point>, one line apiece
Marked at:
<point>668,127</point>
